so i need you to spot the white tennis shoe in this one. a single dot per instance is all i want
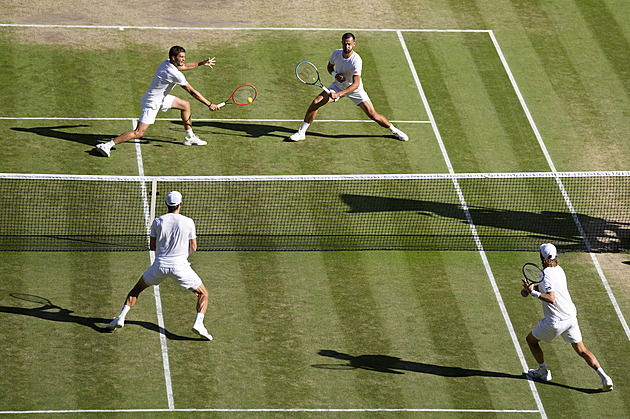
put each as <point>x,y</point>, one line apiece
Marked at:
<point>400,135</point>
<point>201,331</point>
<point>298,136</point>
<point>539,375</point>
<point>607,384</point>
<point>117,323</point>
<point>194,140</point>
<point>103,149</point>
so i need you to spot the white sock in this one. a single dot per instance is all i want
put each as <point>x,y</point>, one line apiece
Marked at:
<point>124,311</point>
<point>601,373</point>
<point>392,128</point>
<point>543,366</point>
<point>304,127</point>
<point>189,133</point>
<point>110,144</point>
<point>199,319</point>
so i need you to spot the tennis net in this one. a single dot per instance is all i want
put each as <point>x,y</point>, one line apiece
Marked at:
<point>578,211</point>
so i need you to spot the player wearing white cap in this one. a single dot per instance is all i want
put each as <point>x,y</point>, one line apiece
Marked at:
<point>345,65</point>
<point>560,317</point>
<point>173,238</point>
<point>157,97</point>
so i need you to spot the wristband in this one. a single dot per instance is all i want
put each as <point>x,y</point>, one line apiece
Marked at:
<point>334,74</point>
<point>534,294</point>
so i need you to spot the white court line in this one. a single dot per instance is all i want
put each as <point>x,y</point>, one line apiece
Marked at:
<point>567,200</point>
<point>186,28</point>
<point>156,289</point>
<point>482,253</point>
<point>7,412</point>
<point>53,118</point>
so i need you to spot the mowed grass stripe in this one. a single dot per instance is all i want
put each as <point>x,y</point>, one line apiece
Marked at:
<point>449,335</point>
<point>69,361</point>
<point>361,325</point>
<point>475,107</point>
<point>582,114</point>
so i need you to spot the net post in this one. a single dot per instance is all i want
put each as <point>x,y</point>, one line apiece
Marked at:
<point>153,197</point>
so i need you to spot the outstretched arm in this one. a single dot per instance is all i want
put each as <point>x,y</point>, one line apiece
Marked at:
<point>189,66</point>
<point>199,97</point>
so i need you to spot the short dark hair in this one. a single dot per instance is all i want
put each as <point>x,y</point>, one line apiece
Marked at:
<point>348,35</point>
<point>174,51</point>
<point>172,208</point>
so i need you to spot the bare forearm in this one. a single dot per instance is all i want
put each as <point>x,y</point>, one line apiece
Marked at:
<point>194,64</point>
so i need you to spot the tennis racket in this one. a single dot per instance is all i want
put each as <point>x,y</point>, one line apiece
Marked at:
<point>533,273</point>
<point>307,73</point>
<point>243,95</point>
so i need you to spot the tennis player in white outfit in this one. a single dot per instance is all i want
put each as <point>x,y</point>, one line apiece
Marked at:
<point>158,98</point>
<point>345,65</point>
<point>173,238</point>
<point>560,317</point>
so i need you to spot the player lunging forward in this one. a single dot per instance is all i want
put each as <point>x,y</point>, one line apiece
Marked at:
<point>157,97</point>
<point>345,65</point>
<point>173,238</point>
<point>560,317</point>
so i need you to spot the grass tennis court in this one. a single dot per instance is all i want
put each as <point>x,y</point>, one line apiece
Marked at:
<point>361,333</point>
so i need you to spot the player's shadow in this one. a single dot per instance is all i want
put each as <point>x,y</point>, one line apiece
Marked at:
<point>394,365</point>
<point>520,226</point>
<point>51,312</point>
<point>257,130</point>
<point>59,133</point>
<point>81,138</point>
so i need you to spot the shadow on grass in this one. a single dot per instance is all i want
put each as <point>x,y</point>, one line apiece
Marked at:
<point>394,365</point>
<point>88,139</point>
<point>513,229</point>
<point>51,312</point>
<point>257,130</point>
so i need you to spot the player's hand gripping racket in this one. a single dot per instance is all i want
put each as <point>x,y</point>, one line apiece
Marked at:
<point>307,73</point>
<point>533,273</point>
<point>244,95</point>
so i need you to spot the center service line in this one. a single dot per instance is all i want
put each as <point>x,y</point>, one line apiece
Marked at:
<point>156,289</point>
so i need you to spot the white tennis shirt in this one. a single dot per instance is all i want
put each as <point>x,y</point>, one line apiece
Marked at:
<point>172,234</point>
<point>556,281</point>
<point>166,77</point>
<point>349,67</point>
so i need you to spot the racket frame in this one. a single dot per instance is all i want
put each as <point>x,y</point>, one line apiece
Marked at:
<point>538,269</point>
<point>317,82</point>
<point>227,102</point>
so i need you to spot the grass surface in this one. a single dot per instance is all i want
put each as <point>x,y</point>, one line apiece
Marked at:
<point>363,330</point>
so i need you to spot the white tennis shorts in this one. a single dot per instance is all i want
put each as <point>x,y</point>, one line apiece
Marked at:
<point>358,96</point>
<point>548,331</point>
<point>184,275</point>
<point>150,110</point>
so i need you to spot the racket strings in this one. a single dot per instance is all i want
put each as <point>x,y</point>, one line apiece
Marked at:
<point>242,94</point>
<point>532,273</point>
<point>307,73</point>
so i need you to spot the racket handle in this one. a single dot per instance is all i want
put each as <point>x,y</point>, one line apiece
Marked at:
<point>221,104</point>
<point>326,89</point>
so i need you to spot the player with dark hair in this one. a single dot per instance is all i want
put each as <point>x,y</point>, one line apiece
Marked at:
<point>560,317</point>
<point>173,238</point>
<point>345,65</point>
<point>158,98</point>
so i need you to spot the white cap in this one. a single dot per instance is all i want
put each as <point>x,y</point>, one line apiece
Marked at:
<point>173,199</point>
<point>548,251</point>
